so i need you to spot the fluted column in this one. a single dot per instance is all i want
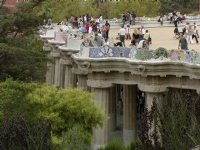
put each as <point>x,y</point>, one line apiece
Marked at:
<point>82,81</point>
<point>100,134</point>
<point>50,65</point>
<point>129,115</point>
<point>69,77</point>
<point>149,98</point>
<point>112,109</point>
<point>50,73</point>
<point>57,72</point>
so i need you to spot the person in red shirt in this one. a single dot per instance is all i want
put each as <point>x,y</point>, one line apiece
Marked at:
<point>87,27</point>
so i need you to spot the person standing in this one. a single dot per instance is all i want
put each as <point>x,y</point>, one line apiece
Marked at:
<point>189,33</point>
<point>183,43</point>
<point>161,20</point>
<point>98,40</point>
<point>147,37</point>
<point>49,21</point>
<point>128,36</point>
<point>175,21</point>
<point>100,18</point>
<point>122,33</point>
<point>133,17</point>
<point>196,30</point>
<point>103,32</point>
<point>107,26</point>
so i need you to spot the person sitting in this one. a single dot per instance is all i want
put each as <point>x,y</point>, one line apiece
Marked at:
<point>64,27</point>
<point>98,40</point>
<point>118,44</point>
<point>142,45</point>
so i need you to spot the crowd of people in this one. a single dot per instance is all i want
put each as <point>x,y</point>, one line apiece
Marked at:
<point>188,33</point>
<point>128,18</point>
<point>140,38</point>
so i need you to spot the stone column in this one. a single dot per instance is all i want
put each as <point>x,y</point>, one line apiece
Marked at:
<point>82,81</point>
<point>57,72</point>
<point>112,111</point>
<point>101,98</point>
<point>149,98</point>
<point>50,65</point>
<point>50,73</point>
<point>129,113</point>
<point>69,77</point>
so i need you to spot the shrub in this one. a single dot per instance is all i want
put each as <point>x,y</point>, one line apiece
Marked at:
<point>114,145</point>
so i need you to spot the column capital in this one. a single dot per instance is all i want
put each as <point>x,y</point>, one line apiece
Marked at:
<point>152,88</point>
<point>46,48</point>
<point>55,54</point>
<point>99,83</point>
<point>66,61</point>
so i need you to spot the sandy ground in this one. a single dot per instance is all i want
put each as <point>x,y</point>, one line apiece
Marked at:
<point>161,37</point>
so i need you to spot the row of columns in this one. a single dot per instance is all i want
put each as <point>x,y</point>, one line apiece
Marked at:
<point>106,99</point>
<point>60,74</point>
<point>59,70</point>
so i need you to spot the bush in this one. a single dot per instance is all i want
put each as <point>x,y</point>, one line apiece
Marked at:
<point>64,108</point>
<point>19,134</point>
<point>160,52</point>
<point>114,145</point>
<point>135,145</point>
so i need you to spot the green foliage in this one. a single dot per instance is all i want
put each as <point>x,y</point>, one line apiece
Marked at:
<point>114,145</point>
<point>23,22</point>
<point>22,57</point>
<point>21,64</point>
<point>160,52</point>
<point>76,139</point>
<point>64,108</point>
<point>18,134</point>
<point>184,6</point>
<point>59,9</point>
<point>179,128</point>
<point>135,145</point>
<point>118,145</point>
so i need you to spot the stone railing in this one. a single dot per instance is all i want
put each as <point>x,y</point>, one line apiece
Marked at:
<point>148,19</point>
<point>140,54</point>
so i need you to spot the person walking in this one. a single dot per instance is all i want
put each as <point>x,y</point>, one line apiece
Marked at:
<point>122,33</point>
<point>189,33</point>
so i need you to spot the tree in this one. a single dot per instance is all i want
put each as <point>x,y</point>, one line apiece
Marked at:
<point>18,134</point>
<point>179,127</point>
<point>184,6</point>
<point>21,52</point>
<point>63,108</point>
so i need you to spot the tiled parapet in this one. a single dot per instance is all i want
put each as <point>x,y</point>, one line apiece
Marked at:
<point>107,51</point>
<point>143,55</point>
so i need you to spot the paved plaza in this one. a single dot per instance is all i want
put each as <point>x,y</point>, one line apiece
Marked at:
<point>161,37</point>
